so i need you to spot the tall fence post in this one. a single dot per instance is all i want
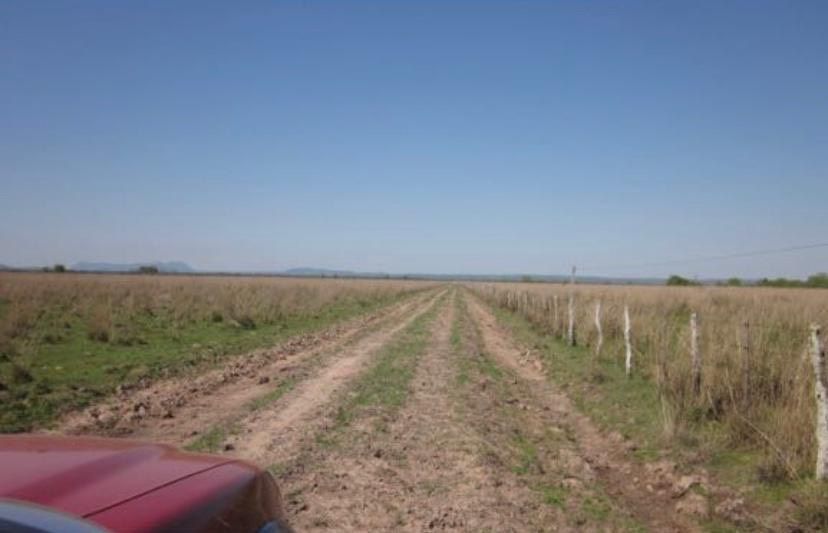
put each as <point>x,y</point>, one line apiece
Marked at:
<point>600,341</point>
<point>821,393</point>
<point>695,356</point>
<point>745,348</point>
<point>627,341</point>
<point>557,322</point>
<point>570,336</point>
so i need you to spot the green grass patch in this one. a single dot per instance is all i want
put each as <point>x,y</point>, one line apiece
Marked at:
<point>67,365</point>
<point>526,456</point>
<point>553,495</point>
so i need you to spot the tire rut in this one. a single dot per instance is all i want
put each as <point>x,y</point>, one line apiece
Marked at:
<point>377,481</point>
<point>276,433</point>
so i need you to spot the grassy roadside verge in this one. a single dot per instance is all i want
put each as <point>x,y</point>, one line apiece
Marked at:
<point>45,379</point>
<point>633,407</point>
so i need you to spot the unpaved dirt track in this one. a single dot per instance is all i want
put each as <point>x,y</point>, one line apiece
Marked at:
<point>480,441</point>
<point>274,434</point>
<point>425,472</point>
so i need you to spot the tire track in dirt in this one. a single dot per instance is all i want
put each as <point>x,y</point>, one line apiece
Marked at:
<point>172,411</point>
<point>628,482</point>
<point>277,432</point>
<point>385,481</point>
<point>425,471</point>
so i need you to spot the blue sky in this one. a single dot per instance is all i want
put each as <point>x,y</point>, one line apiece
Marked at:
<point>481,137</point>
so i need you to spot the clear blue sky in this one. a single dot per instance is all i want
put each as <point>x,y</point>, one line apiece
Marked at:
<point>482,137</point>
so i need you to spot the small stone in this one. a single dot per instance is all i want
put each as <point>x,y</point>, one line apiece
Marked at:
<point>229,447</point>
<point>684,484</point>
<point>694,505</point>
<point>106,418</point>
<point>572,483</point>
<point>733,510</point>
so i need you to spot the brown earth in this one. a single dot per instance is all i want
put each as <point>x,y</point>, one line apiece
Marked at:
<point>482,440</point>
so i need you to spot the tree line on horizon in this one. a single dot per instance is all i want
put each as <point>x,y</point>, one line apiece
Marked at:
<point>815,281</point>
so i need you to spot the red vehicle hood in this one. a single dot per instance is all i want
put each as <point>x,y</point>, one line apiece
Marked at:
<point>83,476</point>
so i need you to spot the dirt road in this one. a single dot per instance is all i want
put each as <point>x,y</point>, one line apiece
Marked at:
<point>427,416</point>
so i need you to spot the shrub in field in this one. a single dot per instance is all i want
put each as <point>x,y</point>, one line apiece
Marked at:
<point>680,281</point>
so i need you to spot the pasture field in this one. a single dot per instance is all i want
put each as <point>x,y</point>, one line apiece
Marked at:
<point>66,339</point>
<point>411,406</point>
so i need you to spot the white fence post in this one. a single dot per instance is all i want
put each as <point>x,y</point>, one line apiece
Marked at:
<point>600,341</point>
<point>695,356</point>
<point>627,342</point>
<point>821,393</point>
<point>571,331</point>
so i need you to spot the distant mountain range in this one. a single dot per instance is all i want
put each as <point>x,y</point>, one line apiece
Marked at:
<point>162,266</point>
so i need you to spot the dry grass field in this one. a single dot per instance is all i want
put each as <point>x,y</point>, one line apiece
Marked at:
<point>66,339</point>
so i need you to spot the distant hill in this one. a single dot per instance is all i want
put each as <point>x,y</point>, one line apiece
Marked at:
<point>162,266</point>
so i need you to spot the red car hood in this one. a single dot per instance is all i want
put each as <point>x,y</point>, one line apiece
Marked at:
<point>83,476</point>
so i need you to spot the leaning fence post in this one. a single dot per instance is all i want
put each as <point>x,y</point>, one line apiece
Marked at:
<point>821,393</point>
<point>627,342</point>
<point>600,341</point>
<point>695,356</point>
<point>571,331</point>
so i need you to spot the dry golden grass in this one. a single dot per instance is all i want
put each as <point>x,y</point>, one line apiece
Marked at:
<point>759,391</point>
<point>108,302</point>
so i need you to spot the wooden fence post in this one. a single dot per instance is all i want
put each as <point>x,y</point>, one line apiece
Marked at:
<point>627,341</point>
<point>744,348</point>
<point>695,356</point>
<point>557,323</point>
<point>821,393</point>
<point>600,341</point>
<point>570,336</point>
